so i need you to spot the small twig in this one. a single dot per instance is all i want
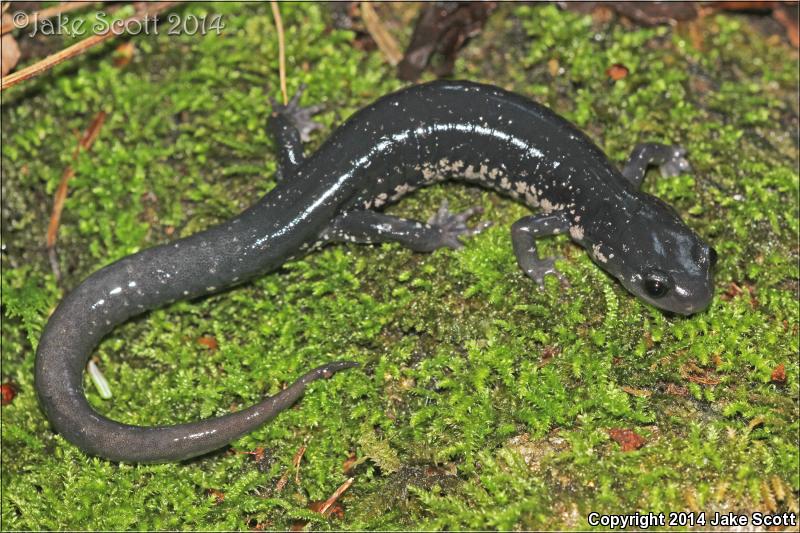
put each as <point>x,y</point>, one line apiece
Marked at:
<point>282,481</point>
<point>80,47</point>
<point>325,508</point>
<point>276,14</point>
<point>53,257</point>
<point>296,462</point>
<point>85,143</point>
<point>44,14</point>
<point>386,43</point>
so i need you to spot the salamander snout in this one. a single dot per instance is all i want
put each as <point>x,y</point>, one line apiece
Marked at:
<point>662,261</point>
<point>681,281</point>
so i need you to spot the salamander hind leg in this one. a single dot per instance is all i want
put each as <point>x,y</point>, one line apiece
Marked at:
<point>524,233</point>
<point>443,229</point>
<point>290,126</point>
<point>670,159</point>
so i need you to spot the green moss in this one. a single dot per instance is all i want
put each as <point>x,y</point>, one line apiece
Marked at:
<point>482,402</point>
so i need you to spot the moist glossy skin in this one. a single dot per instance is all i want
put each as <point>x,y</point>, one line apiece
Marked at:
<point>463,131</point>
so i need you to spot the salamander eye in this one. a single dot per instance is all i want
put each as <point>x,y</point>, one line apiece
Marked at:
<point>656,284</point>
<point>712,257</point>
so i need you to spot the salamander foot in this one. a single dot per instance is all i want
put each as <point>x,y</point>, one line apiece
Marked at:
<point>539,269</point>
<point>453,225</point>
<point>300,117</point>
<point>676,163</point>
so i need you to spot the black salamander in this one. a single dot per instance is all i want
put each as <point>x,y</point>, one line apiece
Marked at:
<point>425,134</point>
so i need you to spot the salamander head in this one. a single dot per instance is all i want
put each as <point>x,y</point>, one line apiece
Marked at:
<point>660,259</point>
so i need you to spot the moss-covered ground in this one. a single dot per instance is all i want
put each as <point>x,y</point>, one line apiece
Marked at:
<point>482,402</point>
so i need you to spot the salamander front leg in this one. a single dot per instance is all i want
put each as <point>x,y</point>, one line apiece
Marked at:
<point>524,233</point>
<point>670,159</point>
<point>290,126</point>
<point>442,230</point>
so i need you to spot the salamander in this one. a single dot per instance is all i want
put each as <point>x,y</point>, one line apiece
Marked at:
<point>422,135</point>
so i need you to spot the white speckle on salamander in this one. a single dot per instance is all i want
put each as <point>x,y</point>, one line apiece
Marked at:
<point>576,232</point>
<point>598,254</point>
<point>401,190</point>
<point>115,290</point>
<point>531,200</point>
<point>381,199</point>
<point>549,207</point>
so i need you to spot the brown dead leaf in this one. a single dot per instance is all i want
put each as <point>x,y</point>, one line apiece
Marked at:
<point>695,374</point>
<point>348,463</point>
<point>548,352</point>
<point>553,67</point>
<point>8,392</point>
<point>779,374</point>
<point>639,393</point>
<point>731,292</point>
<point>628,439</point>
<point>123,54</point>
<point>219,496</point>
<point>209,342</point>
<point>617,71</point>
